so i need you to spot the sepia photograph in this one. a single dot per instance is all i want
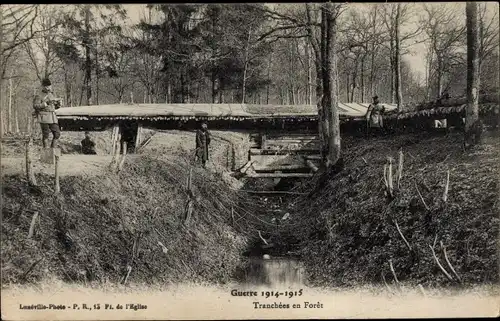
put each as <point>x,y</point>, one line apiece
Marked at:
<point>208,161</point>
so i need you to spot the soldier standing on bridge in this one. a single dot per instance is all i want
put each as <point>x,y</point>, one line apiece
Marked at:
<point>202,142</point>
<point>375,122</point>
<point>45,105</point>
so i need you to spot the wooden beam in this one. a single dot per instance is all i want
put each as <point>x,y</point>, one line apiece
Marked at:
<point>273,168</point>
<point>282,151</point>
<point>279,175</point>
<point>313,167</point>
<point>247,166</point>
<point>312,157</point>
<point>292,137</point>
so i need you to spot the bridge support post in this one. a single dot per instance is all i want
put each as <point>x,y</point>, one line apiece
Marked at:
<point>138,137</point>
<point>115,138</point>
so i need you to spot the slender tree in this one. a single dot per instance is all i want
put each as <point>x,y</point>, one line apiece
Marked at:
<point>472,110</point>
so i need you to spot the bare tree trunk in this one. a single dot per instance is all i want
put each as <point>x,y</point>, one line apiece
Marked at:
<point>354,76</point>
<point>318,56</point>
<point>17,122</point>
<point>309,74</point>
<point>221,91</point>
<point>214,92</point>
<point>96,74</point>
<point>71,95</point>
<point>325,85</point>
<point>268,77</point>
<point>439,82</point>
<point>472,110</point>
<point>393,63</point>
<point>330,90</point>
<point>9,119</point>
<point>168,99</point>
<point>372,56</point>
<point>188,89</point>
<point>88,61</point>
<point>348,86</point>
<point>67,87</point>
<point>428,74</point>
<point>245,68</point>
<point>397,58</point>
<point>363,77</point>
<point>2,123</point>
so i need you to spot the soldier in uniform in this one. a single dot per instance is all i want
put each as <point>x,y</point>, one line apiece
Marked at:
<point>45,105</point>
<point>202,142</point>
<point>375,122</point>
<point>88,145</point>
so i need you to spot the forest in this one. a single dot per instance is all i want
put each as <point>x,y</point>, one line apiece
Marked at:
<point>237,53</point>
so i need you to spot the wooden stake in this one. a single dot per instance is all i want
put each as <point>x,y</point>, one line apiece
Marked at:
<point>124,147</point>
<point>57,186</point>
<point>138,138</point>
<point>32,225</point>
<point>400,168</point>
<point>446,187</point>
<point>30,176</point>
<point>389,177</point>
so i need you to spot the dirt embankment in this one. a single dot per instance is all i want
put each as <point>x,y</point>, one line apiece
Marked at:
<point>347,230</point>
<point>132,223</point>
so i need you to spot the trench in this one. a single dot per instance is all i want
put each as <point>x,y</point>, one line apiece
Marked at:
<point>270,263</point>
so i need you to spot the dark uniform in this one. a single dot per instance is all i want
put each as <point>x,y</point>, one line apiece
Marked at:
<point>202,142</point>
<point>88,146</point>
<point>375,121</point>
<point>45,105</point>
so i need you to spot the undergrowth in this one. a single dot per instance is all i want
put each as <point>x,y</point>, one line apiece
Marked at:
<point>348,234</point>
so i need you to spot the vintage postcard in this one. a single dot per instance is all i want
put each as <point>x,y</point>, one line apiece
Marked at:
<point>250,161</point>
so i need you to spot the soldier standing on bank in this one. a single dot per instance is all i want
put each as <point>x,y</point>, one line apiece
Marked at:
<point>375,122</point>
<point>202,142</point>
<point>45,105</point>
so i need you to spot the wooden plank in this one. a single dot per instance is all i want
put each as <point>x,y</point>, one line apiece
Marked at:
<point>279,168</point>
<point>274,160</point>
<point>293,137</point>
<point>313,157</point>
<point>291,141</point>
<point>254,151</point>
<point>279,175</point>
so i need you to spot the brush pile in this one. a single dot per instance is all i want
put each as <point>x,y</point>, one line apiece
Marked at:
<point>413,209</point>
<point>158,220</point>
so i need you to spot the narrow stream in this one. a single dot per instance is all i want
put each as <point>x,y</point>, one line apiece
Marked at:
<point>279,272</point>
